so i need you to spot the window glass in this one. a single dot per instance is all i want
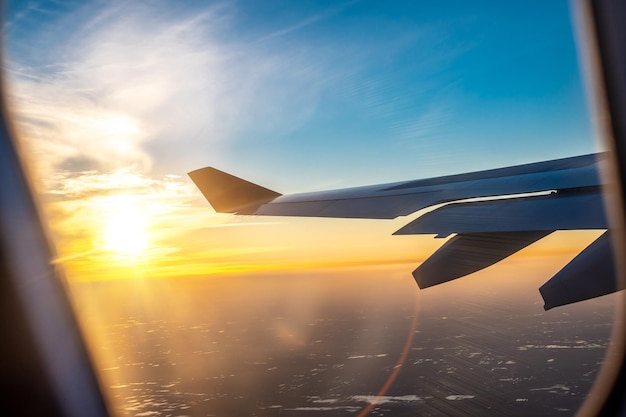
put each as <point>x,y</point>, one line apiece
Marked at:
<point>191,312</point>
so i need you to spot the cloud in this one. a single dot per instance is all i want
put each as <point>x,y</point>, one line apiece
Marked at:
<point>113,91</point>
<point>134,87</point>
<point>307,21</point>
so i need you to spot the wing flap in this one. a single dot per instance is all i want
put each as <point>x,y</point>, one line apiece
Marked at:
<point>467,253</point>
<point>590,274</point>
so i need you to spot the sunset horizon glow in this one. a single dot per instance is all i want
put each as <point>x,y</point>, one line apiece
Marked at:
<point>122,100</point>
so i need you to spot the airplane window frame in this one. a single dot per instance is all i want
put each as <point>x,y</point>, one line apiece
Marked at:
<point>43,305</point>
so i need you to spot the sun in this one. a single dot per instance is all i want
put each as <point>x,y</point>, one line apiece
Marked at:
<point>125,232</point>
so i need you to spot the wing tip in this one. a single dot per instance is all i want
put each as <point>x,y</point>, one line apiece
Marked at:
<point>230,194</point>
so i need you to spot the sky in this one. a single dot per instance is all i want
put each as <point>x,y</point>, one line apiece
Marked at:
<point>116,101</point>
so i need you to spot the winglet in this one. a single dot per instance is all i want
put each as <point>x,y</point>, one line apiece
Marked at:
<point>230,194</point>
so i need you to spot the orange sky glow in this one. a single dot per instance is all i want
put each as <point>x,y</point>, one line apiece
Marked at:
<point>164,228</point>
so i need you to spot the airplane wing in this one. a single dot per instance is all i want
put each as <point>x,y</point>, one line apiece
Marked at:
<point>492,214</point>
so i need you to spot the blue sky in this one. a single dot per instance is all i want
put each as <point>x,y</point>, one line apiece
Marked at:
<point>298,96</point>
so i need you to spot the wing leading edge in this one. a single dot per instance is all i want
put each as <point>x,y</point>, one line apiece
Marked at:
<point>492,215</point>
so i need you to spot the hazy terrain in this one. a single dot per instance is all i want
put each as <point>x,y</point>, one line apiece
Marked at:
<point>324,344</point>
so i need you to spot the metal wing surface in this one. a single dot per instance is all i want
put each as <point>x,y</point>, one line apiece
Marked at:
<point>492,214</point>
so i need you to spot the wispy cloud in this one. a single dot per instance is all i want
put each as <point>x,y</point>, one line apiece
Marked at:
<point>132,83</point>
<point>307,21</point>
<point>113,89</point>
